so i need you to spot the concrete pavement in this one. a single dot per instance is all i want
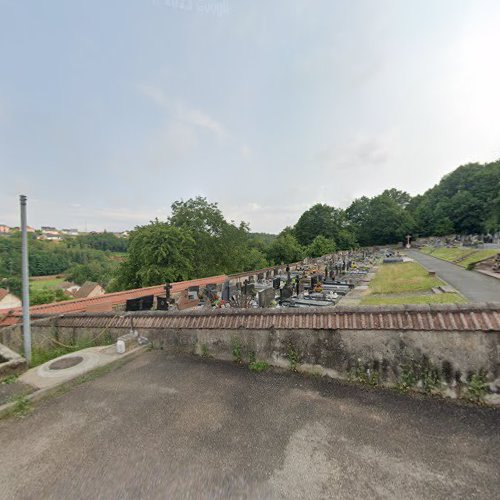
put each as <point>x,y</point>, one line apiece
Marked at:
<point>474,286</point>
<point>184,427</point>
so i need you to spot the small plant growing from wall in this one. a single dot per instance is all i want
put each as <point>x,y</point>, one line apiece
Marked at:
<point>236,351</point>
<point>258,366</point>
<point>476,387</point>
<point>204,351</point>
<point>408,378</point>
<point>293,357</point>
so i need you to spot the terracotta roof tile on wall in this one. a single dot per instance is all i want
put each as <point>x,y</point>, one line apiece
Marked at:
<point>478,317</point>
<point>12,316</point>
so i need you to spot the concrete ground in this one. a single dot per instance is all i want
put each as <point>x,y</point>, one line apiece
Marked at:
<point>185,427</point>
<point>474,286</point>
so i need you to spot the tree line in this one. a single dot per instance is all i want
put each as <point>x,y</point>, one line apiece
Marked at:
<point>197,241</point>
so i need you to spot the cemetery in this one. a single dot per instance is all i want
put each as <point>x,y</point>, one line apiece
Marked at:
<point>320,282</point>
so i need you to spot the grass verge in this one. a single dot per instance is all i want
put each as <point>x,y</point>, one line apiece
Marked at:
<point>458,255</point>
<point>441,298</point>
<point>403,278</point>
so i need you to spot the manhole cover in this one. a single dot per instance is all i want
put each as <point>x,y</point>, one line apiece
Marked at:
<point>61,364</point>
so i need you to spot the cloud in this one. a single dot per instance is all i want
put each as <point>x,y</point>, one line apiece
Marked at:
<point>183,112</point>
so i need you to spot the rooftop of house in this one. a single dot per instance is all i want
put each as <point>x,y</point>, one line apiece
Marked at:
<point>86,289</point>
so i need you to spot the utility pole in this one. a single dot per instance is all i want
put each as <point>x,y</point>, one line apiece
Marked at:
<point>26,283</point>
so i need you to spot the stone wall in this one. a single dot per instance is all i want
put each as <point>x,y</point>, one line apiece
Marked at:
<point>447,360</point>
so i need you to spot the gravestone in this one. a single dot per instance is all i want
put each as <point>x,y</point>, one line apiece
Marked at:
<point>140,304</point>
<point>266,296</point>
<point>268,275</point>
<point>226,295</point>
<point>186,302</point>
<point>260,276</point>
<point>286,292</point>
<point>248,288</point>
<point>162,303</point>
<point>276,283</point>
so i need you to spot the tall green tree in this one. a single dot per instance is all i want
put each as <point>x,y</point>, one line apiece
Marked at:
<point>327,221</point>
<point>320,246</point>
<point>158,252</point>
<point>285,249</point>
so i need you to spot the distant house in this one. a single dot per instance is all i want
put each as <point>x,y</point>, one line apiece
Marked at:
<point>69,287</point>
<point>70,232</point>
<point>88,290</point>
<point>8,300</point>
<point>4,228</point>
<point>50,233</point>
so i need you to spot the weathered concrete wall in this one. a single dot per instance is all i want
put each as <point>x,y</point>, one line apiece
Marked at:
<point>437,360</point>
<point>342,353</point>
<point>47,334</point>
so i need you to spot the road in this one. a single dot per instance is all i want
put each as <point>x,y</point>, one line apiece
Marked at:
<point>474,286</point>
<point>185,427</point>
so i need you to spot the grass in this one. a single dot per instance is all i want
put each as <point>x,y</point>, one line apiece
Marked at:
<point>22,406</point>
<point>478,256</point>
<point>460,255</point>
<point>402,278</point>
<point>41,284</point>
<point>40,356</point>
<point>406,283</point>
<point>441,298</point>
<point>258,366</point>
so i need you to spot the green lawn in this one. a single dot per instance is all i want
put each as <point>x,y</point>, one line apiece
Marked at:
<point>406,283</point>
<point>41,284</point>
<point>437,298</point>
<point>469,255</point>
<point>477,256</point>
<point>401,278</point>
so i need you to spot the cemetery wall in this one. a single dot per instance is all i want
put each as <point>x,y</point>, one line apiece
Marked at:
<point>439,349</point>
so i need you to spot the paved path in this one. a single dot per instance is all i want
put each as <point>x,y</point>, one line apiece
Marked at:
<point>184,427</point>
<point>474,286</point>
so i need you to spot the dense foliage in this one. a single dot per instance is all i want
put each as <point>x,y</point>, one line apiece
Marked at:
<point>197,241</point>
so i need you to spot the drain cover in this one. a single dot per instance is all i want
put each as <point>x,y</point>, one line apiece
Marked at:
<point>61,364</point>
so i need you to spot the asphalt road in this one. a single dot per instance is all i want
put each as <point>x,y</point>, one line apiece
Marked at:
<point>185,427</point>
<point>474,286</point>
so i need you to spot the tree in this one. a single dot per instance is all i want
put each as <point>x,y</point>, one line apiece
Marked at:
<point>320,246</point>
<point>384,222</point>
<point>158,252</point>
<point>98,271</point>
<point>327,221</point>
<point>285,249</point>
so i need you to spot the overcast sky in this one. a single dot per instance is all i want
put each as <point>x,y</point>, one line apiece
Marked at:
<point>112,110</point>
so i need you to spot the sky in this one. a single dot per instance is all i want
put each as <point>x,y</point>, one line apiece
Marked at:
<point>112,110</point>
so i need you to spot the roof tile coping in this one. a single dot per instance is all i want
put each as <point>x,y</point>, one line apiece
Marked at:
<point>397,308</point>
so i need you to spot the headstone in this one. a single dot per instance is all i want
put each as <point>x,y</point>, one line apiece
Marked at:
<point>260,276</point>
<point>185,302</point>
<point>286,292</point>
<point>162,303</point>
<point>168,287</point>
<point>276,283</point>
<point>266,296</point>
<point>276,271</point>
<point>226,291</point>
<point>248,288</point>
<point>268,275</point>
<point>140,304</point>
